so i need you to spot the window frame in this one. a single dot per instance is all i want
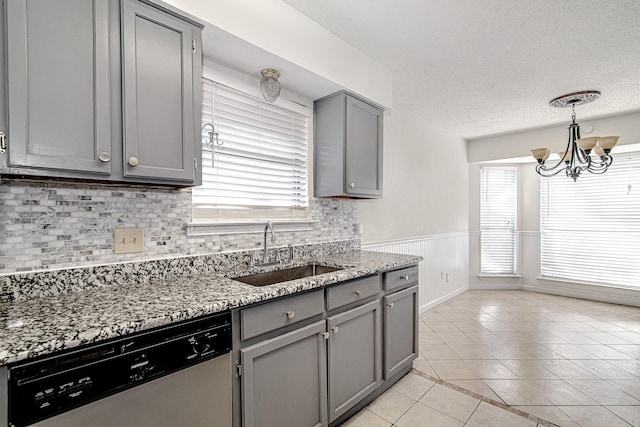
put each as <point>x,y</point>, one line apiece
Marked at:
<point>221,220</point>
<point>484,270</point>
<point>555,271</point>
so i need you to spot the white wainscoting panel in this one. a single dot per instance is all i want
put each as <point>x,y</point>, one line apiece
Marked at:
<point>444,271</point>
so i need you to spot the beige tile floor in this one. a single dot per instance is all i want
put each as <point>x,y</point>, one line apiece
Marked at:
<point>517,358</point>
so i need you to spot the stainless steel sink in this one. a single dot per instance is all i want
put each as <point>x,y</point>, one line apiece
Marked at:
<point>278,276</point>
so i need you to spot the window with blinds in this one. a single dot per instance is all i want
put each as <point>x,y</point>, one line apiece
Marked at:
<point>498,218</point>
<point>257,164</point>
<point>590,228</point>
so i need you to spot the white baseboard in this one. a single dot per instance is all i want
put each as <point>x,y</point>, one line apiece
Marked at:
<point>442,299</point>
<point>594,293</point>
<point>495,286</point>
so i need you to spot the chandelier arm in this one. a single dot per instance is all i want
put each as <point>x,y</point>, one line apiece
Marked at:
<point>583,157</point>
<point>602,166</point>
<point>547,173</point>
<point>597,172</point>
<point>559,166</point>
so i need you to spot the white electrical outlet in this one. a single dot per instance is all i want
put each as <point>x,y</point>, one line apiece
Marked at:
<point>128,240</point>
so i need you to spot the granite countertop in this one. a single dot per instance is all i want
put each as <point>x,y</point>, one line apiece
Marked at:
<point>40,326</point>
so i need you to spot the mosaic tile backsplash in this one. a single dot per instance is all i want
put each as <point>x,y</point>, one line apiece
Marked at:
<point>50,224</point>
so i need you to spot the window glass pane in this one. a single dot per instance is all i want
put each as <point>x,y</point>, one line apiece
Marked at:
<point>590,228</point>
<point>498,217</point>
<point>260,158</point>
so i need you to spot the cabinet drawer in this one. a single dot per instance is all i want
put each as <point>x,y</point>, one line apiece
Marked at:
<point>399,278</point>
<point>355,290</point>
<point>273,315</point>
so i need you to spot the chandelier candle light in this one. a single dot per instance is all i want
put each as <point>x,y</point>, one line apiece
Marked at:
<point>582,154</point>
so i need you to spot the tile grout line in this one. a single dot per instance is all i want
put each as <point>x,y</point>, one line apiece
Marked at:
<point>477,396</point>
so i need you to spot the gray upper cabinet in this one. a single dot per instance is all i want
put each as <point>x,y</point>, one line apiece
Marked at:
<point>58,85</point>
<point>348,147</point>
<point>158,116</point>
<point>101,90</point>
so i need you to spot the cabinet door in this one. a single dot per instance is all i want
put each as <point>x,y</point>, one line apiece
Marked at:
<point>158,121</point>
<point>58,85</point>
<point>363,162</point>
<point>355,368</point>
<point>400,330</point>
<point>284,380</point>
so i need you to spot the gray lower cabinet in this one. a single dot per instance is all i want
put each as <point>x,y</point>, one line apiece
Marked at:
<point>309,359</point>
<point>355,359</point>
<point>100,90</point>
<point>284,380</point>
<point>348,147</point>
<point>400,330</point>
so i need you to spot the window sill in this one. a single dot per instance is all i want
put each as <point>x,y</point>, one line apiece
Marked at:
<point>585,283</point>
<point>245,227</point>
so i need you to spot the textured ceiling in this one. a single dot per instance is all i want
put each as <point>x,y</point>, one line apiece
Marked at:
<point>479,68</point>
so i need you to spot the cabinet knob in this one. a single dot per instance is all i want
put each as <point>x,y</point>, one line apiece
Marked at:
<point>405,277</point>
<point>358,292</point>
<point>133,161</point>
<point>390,304</point>
<point>290,314</point>
<point>335,329</point>
<point>352,184</point>
<point>325,335</point>
<point>104,156</point>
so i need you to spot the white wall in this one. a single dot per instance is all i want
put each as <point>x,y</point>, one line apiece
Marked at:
<point>518,144</point>
<point>425,182</point>
<point>424,208</point>
<point>284,32</point>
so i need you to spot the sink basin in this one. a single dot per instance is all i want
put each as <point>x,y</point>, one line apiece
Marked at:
<point>278,276</point>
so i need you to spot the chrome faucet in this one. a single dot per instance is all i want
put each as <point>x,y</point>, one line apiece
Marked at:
<point>268,227</point>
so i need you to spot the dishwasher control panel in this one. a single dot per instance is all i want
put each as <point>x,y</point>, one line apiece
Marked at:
<point>52,385</point>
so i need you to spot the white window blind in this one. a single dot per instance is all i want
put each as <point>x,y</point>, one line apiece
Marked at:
<point>590,229</point>
<point>261,162</point>
<point>498,217</point>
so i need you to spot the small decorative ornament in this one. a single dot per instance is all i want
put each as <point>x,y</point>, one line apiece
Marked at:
<point>269,84</point>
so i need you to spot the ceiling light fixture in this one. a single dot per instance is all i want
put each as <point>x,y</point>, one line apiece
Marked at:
<point>577,157</point>
<point>269,84</point>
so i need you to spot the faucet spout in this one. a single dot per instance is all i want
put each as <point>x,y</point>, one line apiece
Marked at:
<point>267,228</point>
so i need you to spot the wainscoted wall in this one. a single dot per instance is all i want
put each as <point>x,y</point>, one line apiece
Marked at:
<point>50,224</point>
<point>529,273</point>
<point>444,270</point>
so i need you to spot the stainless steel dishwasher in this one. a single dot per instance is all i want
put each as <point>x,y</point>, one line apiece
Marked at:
<point>179,375</point>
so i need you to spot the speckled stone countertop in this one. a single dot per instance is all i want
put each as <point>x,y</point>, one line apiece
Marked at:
<point>43,325</point>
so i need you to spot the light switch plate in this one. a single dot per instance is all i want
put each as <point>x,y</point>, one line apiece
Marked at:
<point>128,240</point>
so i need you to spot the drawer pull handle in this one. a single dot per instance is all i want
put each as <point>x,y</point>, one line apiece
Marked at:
<point>390,304</point>
<point>290,314</point>
<point>405,277</point>
<point>358,292</point>
<point>335,329</point>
